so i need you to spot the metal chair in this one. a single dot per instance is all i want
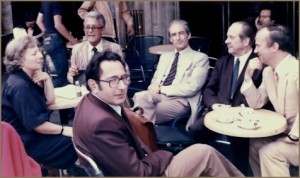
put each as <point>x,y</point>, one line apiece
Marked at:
<point>133,60</point>
<point>91,167</point>
<point>200,44</point>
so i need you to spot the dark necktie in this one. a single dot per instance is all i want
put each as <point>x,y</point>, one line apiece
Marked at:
<point>94,50</point>
<point>172,72</point>
<point>235,74</point>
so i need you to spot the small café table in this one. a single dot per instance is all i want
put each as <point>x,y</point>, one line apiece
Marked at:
<point>270,123</point>
<point>160,49</point>
<point>65,101</point>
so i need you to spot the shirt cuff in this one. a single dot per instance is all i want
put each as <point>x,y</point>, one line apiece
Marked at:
<point>246,85</point>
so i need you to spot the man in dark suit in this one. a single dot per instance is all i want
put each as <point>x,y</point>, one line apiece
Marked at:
<point>221,92</point>
<point>102,131</point>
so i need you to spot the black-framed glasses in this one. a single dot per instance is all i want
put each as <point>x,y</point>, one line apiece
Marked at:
<point>114,82</point>
<point>88,27</point>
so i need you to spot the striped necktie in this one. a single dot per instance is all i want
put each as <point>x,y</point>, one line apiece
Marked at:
<point>235,74</point>
<point>172,72</point>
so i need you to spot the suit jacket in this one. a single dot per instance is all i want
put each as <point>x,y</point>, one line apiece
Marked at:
<point>80,54</point>
<point>218,87</point>
<point>108,138</point>
<point>121,12</point>
<point>286,100</point>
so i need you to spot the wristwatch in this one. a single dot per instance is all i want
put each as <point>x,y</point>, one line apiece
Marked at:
<point>293,137</point>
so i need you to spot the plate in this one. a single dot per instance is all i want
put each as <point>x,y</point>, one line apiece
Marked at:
<point>224,120</point>
<point>249,125</point>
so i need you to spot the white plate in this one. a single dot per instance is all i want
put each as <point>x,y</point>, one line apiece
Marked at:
<point>248,125</point>
<point>225,120</point>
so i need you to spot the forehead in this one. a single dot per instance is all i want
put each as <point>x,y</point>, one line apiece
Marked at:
<point>91,20</point>
<point>176,27</point>
<point>262,35</point>
<point>234,30</point>
<point>112,68</point>
<point>265,12</point>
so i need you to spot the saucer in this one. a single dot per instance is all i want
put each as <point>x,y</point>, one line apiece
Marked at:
<point>225,120</point>
<point>248,125</point>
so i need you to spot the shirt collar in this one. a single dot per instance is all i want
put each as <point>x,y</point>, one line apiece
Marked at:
<point>281,67</point>
<point>243,58</point>
<point>182,51</point>
<point>114,107</point>
<point>99,46</point>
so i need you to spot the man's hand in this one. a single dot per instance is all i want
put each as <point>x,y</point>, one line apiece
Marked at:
<point>154,88</point>
<point>286,140</point>
<point>73,71</point>
<point>130,30</point>
<point>252,66</point>
<point>218,106</point>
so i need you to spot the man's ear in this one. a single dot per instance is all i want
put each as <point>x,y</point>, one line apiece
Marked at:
<point>275,46</point>
<point>93,85</point>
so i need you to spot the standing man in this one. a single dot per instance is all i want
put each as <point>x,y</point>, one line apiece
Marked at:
<point>272,156</point>
<point>103,132</point>
<point>176,86</point>
<point>93,25</point>
<point>113,11</point>
<point>223,88</point>
<point>49,21</point>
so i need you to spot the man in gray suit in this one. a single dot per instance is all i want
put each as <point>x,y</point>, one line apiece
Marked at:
<point>272,156</point>
<point>176,85</point>
<point>94,24</point>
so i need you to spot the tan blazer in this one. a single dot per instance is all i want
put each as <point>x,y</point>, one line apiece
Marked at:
<point>286,102</point>
<point>80,54</point>
<point>190,77</point>
<point>103,7</point>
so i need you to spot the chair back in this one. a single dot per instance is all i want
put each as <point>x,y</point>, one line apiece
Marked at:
<point>200,44</point>
<point>91,169</point>
<point>133,60</point>
<point>142,43</point>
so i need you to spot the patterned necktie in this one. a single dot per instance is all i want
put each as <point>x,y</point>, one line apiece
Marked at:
<point>235,74</point>
<point>94,50</point>
<point>172,73</point>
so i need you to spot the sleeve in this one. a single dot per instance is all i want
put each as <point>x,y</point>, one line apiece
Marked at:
<point>295,127</point>
<point>30,108</point>
<point>194,82</point>
<point>115,142</point>
<point>85,8</point>
<point>125,14</point>
<point>57,8</point>
<point>257,97</point>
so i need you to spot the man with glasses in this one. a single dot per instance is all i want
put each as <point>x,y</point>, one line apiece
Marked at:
<point>102,131</point>
<point>94,24</point>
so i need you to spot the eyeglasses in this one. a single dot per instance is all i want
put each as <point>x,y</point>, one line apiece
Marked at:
<point>114,82</point>
<point>92,27</point>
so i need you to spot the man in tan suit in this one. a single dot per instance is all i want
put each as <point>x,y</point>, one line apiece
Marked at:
<point>94,24</point>
<point>272,156</point>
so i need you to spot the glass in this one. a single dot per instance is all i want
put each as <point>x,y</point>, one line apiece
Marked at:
<point>114,82</point>
<point>88,27</point>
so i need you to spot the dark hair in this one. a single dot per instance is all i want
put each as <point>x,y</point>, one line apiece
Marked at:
<point>269,6</point>
<point>93,70</point>
<point>281,35</point>
<point>248,31</point>
<point>29,16</point>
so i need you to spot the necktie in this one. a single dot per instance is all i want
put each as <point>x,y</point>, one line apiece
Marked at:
<point>235,74</point>
<point>275,78</point>
<point>172,72</point>
<point>94,49</point>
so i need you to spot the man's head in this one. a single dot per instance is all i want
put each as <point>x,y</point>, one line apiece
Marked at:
<point>240,37</point>
<point>179,34</point>
<point>107,78</point>
<point>272,42</point>
<point>93,26</point>
<point>266,14</point>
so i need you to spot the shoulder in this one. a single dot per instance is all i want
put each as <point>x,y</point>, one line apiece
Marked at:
<point>80,45</point>
<point>108,44</point>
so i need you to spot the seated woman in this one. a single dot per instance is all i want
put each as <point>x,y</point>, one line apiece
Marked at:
<point>25,97</point>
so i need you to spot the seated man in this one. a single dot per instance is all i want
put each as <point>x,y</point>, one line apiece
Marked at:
<point>94,24</point>
<point>176,85</point>
<point>272,156</point>
<point>102,131</point>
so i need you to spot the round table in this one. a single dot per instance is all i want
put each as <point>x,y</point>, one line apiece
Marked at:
<point>270,123</point>
<point>160,49</point>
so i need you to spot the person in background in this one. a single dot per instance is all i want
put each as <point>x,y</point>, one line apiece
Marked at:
<point>272,156</point>
<point>176,86</point>
<point>114,12</point>
<point>103,132</point>
<point>94,24</point>
<point>267,15</point>
<point>223,88</point>
<point>49,21</point>
<point>25,97</point>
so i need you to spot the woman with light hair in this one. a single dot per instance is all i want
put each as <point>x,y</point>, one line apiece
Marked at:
<point>26,94</point>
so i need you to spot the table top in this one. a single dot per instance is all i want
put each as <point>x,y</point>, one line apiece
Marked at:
<point>160,49</point>
<point>269,123</point>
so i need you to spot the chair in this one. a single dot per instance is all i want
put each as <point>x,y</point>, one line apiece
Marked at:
<point>200,44</point>
<point>109,38</point>
<point>133,60</point>
<point>92,168</point>
<point>142,43</point>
